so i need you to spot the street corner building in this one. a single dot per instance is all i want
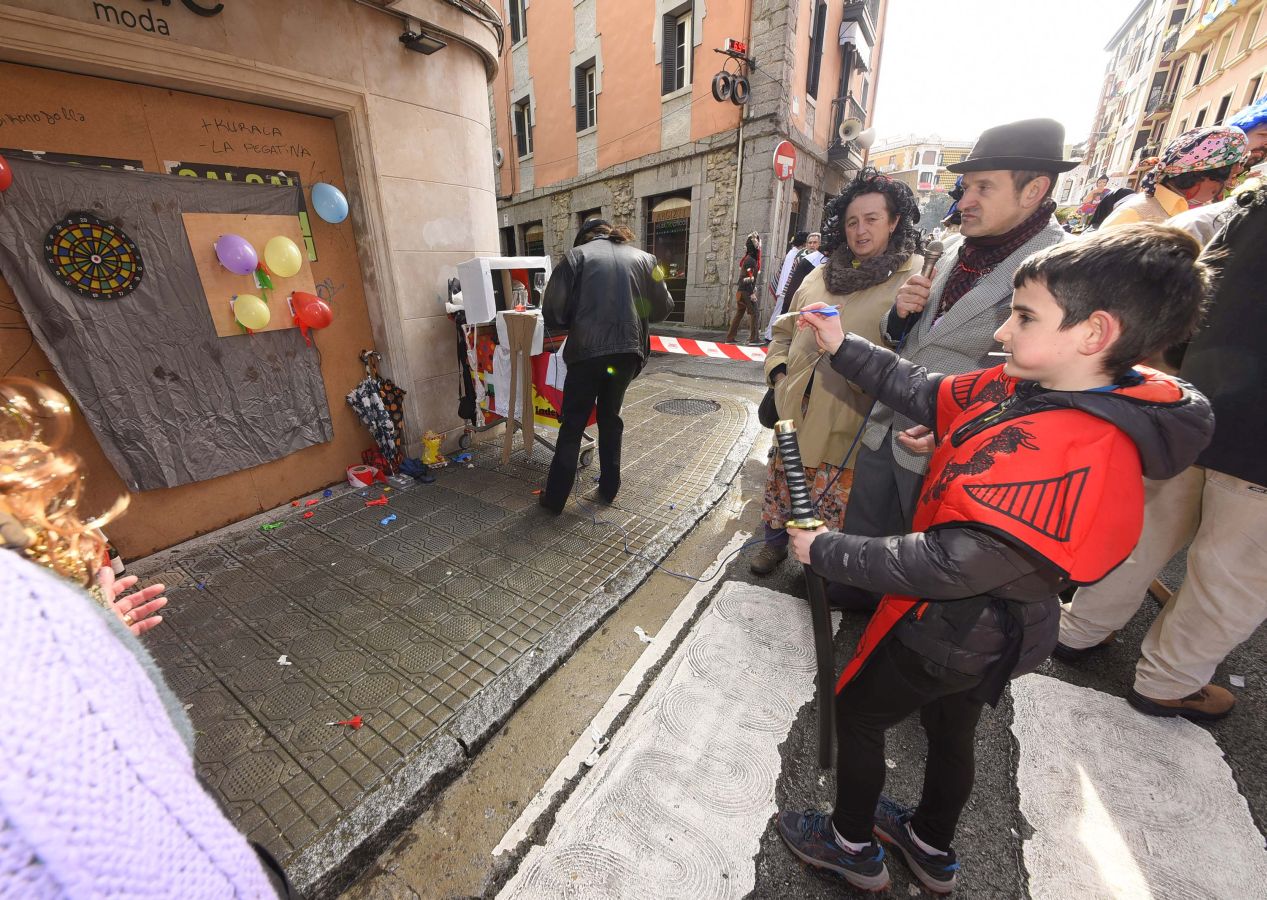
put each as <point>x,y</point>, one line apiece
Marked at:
<point>613,110</point>
<point>139,133</point>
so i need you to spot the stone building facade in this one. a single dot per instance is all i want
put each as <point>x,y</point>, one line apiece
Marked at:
<point>241,87</point>
<point>615,134</point>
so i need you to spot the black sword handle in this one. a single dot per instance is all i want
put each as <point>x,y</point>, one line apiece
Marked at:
<point>820,613</point>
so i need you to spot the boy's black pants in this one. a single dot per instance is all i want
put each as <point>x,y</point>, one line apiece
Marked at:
<point>600,382</point>
<point>894,683</point>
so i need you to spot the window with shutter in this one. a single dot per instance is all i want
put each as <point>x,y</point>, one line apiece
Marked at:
<point>586,102</point>
<point>817,27</point>
<point>591,96</point>
<point>523,128</point>
<point>677,50</point>
<point>668,56</point>
<point>518,21</point>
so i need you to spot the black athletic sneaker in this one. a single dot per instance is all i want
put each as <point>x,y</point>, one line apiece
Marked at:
<point>1074,655</point>
<point>810,836</point>
<point>937,872</point>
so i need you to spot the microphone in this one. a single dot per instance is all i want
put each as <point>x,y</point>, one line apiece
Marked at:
<point>932,255</point>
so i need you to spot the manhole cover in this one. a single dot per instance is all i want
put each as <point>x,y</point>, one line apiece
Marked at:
<point>687,407</point>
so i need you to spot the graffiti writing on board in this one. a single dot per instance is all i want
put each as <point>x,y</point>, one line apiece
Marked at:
<point>327,289</point>
<point>42,116</point>
<point>251,137</point>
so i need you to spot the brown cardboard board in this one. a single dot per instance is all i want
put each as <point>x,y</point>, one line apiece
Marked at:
<point>220,285</point>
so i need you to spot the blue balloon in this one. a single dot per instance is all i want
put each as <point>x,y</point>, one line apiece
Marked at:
<point>329,202</point>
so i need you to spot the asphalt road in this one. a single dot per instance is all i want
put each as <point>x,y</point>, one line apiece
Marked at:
<point>455,831</point>
<point>993,829</point>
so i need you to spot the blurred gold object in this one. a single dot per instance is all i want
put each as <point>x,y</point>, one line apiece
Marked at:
<point>41,484</point>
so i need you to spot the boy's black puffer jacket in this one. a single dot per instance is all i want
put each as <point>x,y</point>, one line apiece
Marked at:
<point>999,590</point>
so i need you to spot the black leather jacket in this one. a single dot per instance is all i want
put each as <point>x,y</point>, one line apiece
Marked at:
<point>605,294</point>
<point>985,591</point>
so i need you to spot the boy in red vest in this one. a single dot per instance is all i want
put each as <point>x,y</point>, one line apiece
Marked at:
<point>1036,485</point>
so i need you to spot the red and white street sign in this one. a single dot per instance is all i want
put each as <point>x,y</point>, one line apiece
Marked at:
<point>784,160</point>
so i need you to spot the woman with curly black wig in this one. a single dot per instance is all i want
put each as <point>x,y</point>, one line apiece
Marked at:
<point>869,231</point>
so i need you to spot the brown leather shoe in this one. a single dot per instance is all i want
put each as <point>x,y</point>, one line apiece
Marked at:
<point>767,559</point>
<point>1209,704</point>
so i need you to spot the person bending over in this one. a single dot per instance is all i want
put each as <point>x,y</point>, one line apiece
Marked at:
<point>604,293</point>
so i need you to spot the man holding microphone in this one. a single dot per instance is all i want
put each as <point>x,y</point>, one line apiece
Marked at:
<point>947,322</point>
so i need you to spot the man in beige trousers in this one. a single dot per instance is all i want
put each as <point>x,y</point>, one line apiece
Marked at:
<point>1219,505</point>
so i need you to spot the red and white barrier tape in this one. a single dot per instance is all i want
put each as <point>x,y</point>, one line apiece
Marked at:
<point>706,348</point>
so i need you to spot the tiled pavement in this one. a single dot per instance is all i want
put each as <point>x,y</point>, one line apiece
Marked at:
<point>432,627</point>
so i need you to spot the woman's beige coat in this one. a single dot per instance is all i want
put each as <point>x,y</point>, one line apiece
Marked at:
<point>836,407</point>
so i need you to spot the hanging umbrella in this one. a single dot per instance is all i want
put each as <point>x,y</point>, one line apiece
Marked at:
<point>367,401</point>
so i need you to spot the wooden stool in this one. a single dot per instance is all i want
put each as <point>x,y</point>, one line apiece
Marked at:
<point>520,328</point>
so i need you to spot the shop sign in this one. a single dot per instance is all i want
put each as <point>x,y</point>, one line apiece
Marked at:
<point>248,175</point>
<point>118,13</point>
<point>75,159</point>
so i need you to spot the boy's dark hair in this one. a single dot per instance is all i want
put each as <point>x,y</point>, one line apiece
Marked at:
<point>1146,275</point>
<point>1186,180</point>
<point>1022,177</point>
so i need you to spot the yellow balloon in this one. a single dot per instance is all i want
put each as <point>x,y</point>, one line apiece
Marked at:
<point>282,256</point>
<point>251,311</point>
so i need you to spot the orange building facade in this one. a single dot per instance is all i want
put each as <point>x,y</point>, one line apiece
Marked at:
<point>607,108</point>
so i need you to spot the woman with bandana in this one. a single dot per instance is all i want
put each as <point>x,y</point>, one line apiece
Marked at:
<point>1191,171</point>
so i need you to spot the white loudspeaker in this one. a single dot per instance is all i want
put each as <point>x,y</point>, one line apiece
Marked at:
<point>866,139</point>
<point>849,130</point>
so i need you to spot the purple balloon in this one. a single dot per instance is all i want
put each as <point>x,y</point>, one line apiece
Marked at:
<point>236,254</point>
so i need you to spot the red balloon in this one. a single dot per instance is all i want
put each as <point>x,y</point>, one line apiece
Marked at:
<point>315,313</point>
<point>300,299</point>
<point>6,175</point>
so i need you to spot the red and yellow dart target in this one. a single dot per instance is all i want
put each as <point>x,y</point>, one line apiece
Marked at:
<point>93,257</point>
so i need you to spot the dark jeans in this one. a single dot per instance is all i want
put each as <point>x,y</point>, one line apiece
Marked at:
<point>894,683</point>
<point>600,382</point>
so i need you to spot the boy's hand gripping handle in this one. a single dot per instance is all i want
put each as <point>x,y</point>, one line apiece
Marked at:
<point>820,614</point>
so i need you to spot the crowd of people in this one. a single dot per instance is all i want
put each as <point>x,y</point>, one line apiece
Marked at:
<point>990,513</point>
<point>998,514</point>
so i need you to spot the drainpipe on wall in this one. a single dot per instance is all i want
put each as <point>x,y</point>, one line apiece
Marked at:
<point>734,215</point>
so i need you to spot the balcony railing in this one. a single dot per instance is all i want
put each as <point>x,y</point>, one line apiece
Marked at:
<point>865,13</point>
<point>1159,102</point>
<point>844,108</point>
<point>1170,43</point>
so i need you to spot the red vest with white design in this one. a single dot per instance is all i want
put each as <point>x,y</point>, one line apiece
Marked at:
<point>1062,482</point>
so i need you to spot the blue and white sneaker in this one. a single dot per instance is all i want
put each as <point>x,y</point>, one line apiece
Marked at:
<point>937,872</point>
<point>811,837</point>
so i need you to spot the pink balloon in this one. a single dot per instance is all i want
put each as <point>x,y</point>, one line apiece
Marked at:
<point>6,175</point>
<point>236,254</point>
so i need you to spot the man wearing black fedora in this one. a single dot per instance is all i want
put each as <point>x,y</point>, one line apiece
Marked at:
<point>947,323</point>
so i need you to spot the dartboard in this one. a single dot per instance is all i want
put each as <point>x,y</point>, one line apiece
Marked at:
<point>93,257</point>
